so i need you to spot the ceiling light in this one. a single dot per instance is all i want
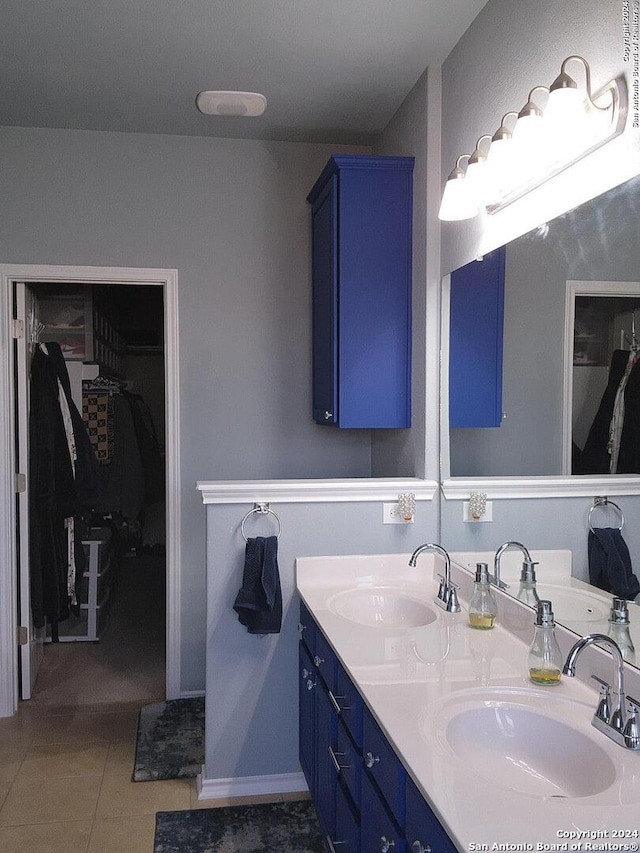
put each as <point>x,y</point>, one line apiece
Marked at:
<point>231,103</point>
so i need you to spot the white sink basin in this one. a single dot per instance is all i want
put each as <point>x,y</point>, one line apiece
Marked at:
<point>382,607</point>
<point>575,604</point>
<point>527,749</point>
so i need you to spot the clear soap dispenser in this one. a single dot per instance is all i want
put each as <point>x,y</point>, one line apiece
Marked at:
<point>482,606</point>
<point>545,657</point>
<point>619,628</point>
<point>527,592</point>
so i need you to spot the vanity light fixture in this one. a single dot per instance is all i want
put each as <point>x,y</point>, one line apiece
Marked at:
<point>545,139</point>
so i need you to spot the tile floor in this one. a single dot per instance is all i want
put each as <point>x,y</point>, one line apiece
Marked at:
<point>65,783</point>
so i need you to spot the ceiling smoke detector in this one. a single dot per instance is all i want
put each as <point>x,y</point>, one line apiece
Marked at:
<point>231,103</point>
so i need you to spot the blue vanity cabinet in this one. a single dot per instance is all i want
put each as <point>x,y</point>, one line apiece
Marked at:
<point>361,291</point>
<point>476,313</point>
<point>423,830</point>
<point>364,798</point>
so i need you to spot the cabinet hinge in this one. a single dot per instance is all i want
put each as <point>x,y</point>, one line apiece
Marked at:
<point>21,483</point>
<point>23,635</point>
<point>17,329</point>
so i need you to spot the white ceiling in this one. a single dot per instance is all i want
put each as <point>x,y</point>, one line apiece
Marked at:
<point>331,70</point>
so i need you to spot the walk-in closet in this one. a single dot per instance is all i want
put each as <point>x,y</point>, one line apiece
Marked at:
<point>94,429</point>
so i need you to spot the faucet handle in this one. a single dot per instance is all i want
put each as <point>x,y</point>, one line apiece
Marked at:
<point>603,711</point>
<point>631,732</point>
<point>442,589</point>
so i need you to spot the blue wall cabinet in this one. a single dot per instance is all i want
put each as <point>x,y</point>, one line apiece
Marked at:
<point>361,256</point>
<point>364,798</point>
<point>475,342</point>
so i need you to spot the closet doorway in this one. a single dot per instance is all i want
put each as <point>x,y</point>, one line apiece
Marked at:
<point>117,331</point>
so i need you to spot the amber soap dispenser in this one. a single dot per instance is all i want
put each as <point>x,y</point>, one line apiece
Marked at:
<point>482,605</point>
<point>545,657</point>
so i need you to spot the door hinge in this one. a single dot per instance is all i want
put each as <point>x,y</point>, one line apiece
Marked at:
<point>21,483</point>
<point>23,635</point>
<point>18,329</point>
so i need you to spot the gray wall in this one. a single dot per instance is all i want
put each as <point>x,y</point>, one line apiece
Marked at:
<point>231,217</point>
<point>400,453</point>
<point>252,683</point>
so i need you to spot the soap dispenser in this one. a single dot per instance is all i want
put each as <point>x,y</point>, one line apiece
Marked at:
<point>619,628</point>
<point>482,606</point>
<point>545,657</point>
<point>527,592</point>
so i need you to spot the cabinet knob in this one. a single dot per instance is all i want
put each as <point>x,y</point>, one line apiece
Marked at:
<point>310,684</point>
<point>386,844</point>
<point>318,660</point>
<point>328,416</point>
<point>306,672</point>
<point>419,847</point>
<point>370,759</point>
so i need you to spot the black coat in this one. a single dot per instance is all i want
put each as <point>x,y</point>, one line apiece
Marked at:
<point>54,492</point>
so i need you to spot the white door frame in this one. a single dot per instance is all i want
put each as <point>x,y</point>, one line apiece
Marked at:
<point>9,274</point>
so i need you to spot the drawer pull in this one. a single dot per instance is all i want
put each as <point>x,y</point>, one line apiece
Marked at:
<point>336,763</point>
<point>333,844</point>
<point>310,684</point>
<point>370,759</point>
<point>335,703</point>
<point>306,672</point>
<point>318,660</point>
<point>419,847</point>
<point>386,844</point>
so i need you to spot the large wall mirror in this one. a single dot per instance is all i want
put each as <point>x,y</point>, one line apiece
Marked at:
<point>570,322</point>
<point>596,242</point>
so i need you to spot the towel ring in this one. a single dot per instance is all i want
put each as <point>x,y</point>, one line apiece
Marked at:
<point>262,509</point>
<point>600,502</point>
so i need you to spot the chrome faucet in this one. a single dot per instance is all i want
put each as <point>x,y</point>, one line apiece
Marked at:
<point>616,715</point>
<point>507,546</point>
<point>447,596</point>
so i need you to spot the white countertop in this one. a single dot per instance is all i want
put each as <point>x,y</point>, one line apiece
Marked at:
<point>415,679</point>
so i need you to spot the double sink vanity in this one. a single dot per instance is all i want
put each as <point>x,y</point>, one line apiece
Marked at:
<point>419,733</point>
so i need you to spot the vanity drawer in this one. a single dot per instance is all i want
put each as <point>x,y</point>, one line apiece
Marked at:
<point>350,761</point>
<point>384,767</point>
<point>379,831</point>
<point>351,705</point>
<point>307,628</point>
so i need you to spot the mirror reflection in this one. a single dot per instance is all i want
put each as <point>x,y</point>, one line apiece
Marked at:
<point>563,371</point>
<point>571,304</point>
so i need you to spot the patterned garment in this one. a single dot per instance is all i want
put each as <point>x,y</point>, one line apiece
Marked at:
<point>97,413</point>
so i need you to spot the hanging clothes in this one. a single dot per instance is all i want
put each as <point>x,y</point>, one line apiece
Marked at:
<point>59,487</point>
<point>624,436</point>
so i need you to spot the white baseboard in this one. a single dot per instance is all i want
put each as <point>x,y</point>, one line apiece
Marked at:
<point>191,694</point>
<point>249,786</point>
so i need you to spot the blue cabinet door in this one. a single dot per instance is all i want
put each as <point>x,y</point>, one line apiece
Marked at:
<point>475,342</point>
<point>361,234</point>
<point>307,686</point>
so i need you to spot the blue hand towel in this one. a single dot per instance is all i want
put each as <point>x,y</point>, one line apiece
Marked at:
<point>259,600</point>
<point>610,563</point>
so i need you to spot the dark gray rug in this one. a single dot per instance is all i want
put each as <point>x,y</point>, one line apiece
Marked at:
<point>273,828</point>
<point>170,741</point>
